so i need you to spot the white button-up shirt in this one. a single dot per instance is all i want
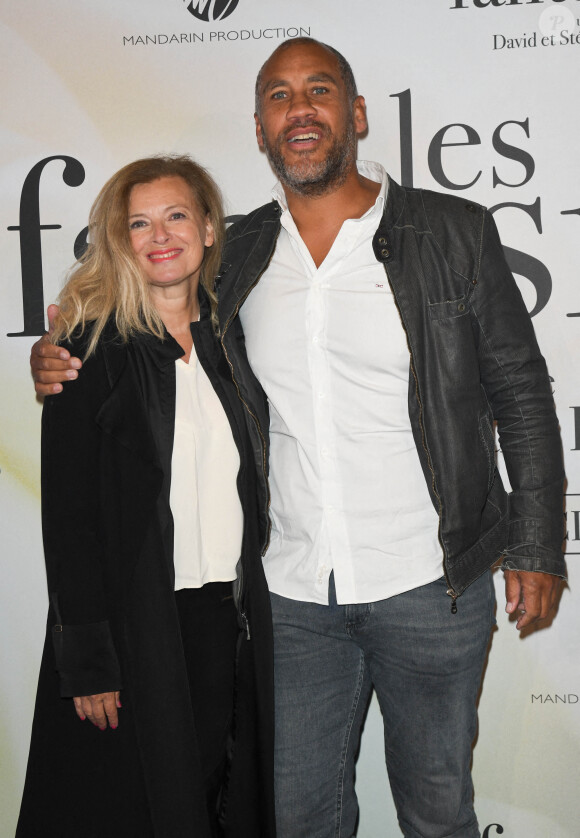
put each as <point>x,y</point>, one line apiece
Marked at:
<point>348,492</point>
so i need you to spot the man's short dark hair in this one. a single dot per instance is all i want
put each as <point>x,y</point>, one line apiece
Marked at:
<point>344,67</point>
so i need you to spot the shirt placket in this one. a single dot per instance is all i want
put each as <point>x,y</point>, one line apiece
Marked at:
<point>334,552</point>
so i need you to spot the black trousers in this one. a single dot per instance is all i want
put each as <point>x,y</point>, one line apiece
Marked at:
<point>209,631</point>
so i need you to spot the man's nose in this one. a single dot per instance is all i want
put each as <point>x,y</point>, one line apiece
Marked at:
<point>300,106</point>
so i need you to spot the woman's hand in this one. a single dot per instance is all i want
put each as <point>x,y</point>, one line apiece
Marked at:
<point>99,709</point>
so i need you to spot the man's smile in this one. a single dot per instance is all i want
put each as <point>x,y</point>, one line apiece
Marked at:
<point>305,137</point>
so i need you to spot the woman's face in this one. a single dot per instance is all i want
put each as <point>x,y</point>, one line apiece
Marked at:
<point>168,231</point>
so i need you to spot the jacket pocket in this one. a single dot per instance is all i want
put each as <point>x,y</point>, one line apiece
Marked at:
<point>449,309</point>
<point>488,442</point>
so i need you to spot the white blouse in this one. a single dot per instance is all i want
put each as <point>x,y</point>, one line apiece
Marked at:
<point>204,498</point>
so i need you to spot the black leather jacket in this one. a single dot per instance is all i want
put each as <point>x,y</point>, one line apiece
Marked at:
<point>474,360</point>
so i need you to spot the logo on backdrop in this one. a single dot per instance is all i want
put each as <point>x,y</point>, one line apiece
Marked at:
<point>556,26</point>
<point>555,21</point>
<point>572,513</point>
<point>482,4</point>
<point>555,698</point>
<point>211,11</point>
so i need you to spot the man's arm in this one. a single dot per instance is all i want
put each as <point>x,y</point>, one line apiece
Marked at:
<point>51,364</point>
<point>517,385</point>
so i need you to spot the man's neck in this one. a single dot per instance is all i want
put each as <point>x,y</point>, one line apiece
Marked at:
<point>319,218</point>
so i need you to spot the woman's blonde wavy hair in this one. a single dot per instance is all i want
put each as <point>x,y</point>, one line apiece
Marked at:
<point>107,281</point>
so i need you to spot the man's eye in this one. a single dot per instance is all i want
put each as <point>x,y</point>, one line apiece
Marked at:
<point>319,90</point>
<point>280,94</point>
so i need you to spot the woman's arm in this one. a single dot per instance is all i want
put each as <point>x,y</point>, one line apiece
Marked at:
<point>74,543</point>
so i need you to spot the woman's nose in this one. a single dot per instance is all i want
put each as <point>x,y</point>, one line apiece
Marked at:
<point>160,233</point>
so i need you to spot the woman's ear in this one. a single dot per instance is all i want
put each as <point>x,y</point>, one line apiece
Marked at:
<point>209,234</point>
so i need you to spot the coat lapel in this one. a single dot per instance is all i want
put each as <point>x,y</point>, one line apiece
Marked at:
<point>123,415</point>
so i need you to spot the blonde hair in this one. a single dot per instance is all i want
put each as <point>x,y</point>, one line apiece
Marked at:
<point>107,280</point>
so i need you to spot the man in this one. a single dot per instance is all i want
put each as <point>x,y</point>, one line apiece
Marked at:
<point>388,334</point>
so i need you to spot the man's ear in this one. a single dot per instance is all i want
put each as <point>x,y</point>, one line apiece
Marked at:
<point>359,112</point>
<point>259,135</point>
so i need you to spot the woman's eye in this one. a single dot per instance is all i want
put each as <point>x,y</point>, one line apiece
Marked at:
<point>136,225</point>
<point>177,215</point>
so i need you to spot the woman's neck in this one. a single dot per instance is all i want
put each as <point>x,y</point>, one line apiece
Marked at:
<point>178,311</point>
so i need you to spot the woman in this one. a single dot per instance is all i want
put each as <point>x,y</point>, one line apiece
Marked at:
<point>149,524</point>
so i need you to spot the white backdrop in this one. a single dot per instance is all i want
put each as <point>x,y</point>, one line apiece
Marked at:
<point>479,92</point>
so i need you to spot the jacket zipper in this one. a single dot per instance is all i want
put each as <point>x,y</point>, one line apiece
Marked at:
<point>450,591</point>
<point>245,624</point>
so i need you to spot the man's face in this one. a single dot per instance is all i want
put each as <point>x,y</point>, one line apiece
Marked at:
<point>307,125</point>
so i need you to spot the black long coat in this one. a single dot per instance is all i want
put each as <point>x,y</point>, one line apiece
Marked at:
<point>111,592</point>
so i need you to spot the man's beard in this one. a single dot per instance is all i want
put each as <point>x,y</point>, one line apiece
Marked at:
<point>308,177</point>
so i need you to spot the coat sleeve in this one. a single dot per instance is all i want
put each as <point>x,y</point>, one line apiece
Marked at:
<point>516,382</point>
<point>73,544</point>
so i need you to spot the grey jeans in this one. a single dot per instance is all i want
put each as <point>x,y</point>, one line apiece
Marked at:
<point>425,664</point>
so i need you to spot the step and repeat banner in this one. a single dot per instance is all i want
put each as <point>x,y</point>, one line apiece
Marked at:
<point>478,98</point>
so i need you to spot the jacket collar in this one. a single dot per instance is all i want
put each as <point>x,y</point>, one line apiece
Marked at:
<point>251,242</point>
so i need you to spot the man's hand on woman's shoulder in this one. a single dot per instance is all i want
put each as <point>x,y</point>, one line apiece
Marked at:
<point>51,364</point>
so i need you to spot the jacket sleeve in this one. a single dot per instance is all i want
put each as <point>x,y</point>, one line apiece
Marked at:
<point>85,655</point>
<point>516,382</point>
